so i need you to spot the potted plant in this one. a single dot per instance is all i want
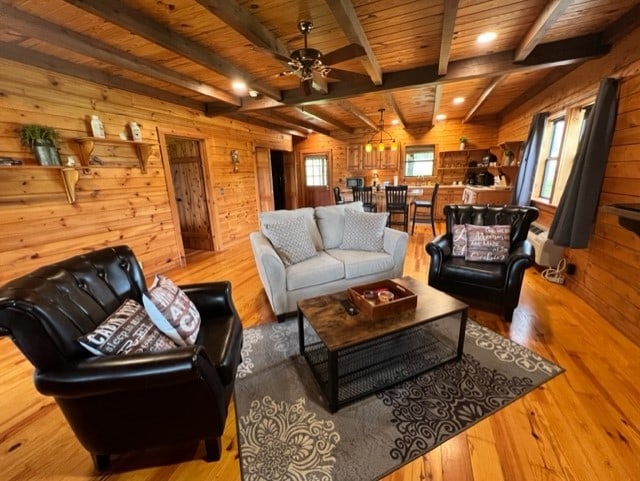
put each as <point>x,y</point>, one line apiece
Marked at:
<point>463,142</point>
<point>42,140</point>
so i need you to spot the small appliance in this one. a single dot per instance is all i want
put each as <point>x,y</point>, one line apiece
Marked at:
<point>355,182</point>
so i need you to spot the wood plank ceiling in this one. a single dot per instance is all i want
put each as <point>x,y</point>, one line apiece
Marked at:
<point>409,57</point>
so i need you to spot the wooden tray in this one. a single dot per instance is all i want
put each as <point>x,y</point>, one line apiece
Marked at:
<point>374,309</point>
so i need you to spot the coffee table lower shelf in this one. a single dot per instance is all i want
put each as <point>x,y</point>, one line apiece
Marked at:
<point>375,365</point>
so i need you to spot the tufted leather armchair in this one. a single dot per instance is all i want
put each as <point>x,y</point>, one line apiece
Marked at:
<point>116,404</point>
<point>497,283</point>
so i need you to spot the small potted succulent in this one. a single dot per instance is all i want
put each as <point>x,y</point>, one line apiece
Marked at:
<point>43,141</point>
<point>463,142</point>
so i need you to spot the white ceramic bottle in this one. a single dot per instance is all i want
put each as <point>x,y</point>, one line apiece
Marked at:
<point>97,129</point>
<point>136,134</point>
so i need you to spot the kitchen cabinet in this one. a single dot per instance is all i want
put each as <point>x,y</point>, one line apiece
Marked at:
<point>358,159</point>
<point>355,155</point>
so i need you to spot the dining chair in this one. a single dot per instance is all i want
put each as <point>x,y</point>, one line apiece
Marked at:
<point>423,210</point>
<point>397,204</point>
<point>365,195</point>
<point>337,196</point>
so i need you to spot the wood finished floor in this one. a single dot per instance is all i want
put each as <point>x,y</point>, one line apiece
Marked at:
<point>582,425</point>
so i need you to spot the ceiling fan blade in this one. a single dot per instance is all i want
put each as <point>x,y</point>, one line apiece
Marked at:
<point>345,75</point>
<point>342,54</point>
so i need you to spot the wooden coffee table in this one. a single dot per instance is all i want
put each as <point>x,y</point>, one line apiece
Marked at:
<point>355,356</point>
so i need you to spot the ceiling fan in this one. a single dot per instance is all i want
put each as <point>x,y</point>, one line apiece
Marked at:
<point>308,62</point>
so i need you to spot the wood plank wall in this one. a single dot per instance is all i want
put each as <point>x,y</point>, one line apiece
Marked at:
<point>607,271</point>
<point>115,205</point>
<point>445,135</point>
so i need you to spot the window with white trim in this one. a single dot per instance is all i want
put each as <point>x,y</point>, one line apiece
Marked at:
<point>419,160</point>
<point>315,168</point>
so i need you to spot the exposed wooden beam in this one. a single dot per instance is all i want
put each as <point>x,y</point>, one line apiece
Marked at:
<point>238,18</point>
<point>554,54</point>
<point>129,18</point>
<point>27,56</point>
<point>622,26</point>
<point>448,24</point>
<point>553,76</point>
<point>356,112</point>
<point>347,18</point>
<point>437,97</point>
<point>293,122</point>
<point>267,125</point>
<point>484,95</point>
<point>388,97</point>
<point>311,112</point>
<point>54,34</point>
<point>536,33</point>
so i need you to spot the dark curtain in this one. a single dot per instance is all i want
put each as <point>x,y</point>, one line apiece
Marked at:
<point>571,226</point>
<point>527,171</point>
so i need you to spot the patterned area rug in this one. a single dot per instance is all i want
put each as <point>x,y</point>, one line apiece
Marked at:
<point>286,433</point>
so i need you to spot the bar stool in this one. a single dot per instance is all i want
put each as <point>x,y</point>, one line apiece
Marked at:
<point>397,204</point>
<point>426,207</point>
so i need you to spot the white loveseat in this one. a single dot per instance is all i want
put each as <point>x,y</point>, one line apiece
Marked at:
<point>330,269</point>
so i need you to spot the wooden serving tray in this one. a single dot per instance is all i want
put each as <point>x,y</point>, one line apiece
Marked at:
<point>375,309</point>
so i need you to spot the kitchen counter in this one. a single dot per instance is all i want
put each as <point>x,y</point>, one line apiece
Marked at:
<point>475,194</point>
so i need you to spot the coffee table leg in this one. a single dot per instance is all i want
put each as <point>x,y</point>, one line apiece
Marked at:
<point>463,328</point>
<point>332,381</point>
<point>301,331</point>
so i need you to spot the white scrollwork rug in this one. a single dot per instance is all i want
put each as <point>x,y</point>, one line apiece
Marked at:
<point>286,433</point>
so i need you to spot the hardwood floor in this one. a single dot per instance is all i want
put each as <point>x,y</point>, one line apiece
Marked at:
<point>582,425</point>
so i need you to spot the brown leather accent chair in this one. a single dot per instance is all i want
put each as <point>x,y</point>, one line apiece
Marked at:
<point>497,283</point>
<point>121,403</point>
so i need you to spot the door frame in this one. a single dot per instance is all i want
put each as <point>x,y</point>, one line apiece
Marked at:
<point>212,208</point>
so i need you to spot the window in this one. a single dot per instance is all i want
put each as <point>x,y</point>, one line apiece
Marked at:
<point>418,160</point>
<point>552,160</point>
<point>315,168</point>
<point>559,147</point>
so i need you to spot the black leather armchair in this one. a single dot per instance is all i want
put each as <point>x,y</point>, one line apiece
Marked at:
<point>116,404</point>
<point>497,283</point>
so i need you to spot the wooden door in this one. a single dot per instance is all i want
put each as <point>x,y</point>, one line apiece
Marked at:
<point>190,193</point>
<point>264,180</point>
<point>316,175</point>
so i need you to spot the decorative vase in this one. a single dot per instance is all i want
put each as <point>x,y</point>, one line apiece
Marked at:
<point>46,154</point>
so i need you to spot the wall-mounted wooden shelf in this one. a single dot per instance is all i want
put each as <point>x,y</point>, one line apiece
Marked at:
<point>87,144</point>
<point>23,181</point>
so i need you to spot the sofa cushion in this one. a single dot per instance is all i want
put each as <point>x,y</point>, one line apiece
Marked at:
<point>312,272</point>
<point>488,243</point>
<point>364,231</point>
<point>178,317</point>
<point>331,222</point>
<point>362,263</point>
<point>307,213</point>
<point>291,240</point>
<point>126,331</point>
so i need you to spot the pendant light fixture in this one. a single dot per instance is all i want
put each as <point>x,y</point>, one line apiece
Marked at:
<point>379,137</point>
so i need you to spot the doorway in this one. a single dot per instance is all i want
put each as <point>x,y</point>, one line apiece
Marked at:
<point>277,176</point>
<point>276,179</point>
<point>185,158</point>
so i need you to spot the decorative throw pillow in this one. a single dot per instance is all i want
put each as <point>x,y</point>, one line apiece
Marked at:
<point>291,240</point>
<point>488,243</point>
<point>126,331</point>
<point>364,231</point>
<point>459,234</point>
<point>176,316</point>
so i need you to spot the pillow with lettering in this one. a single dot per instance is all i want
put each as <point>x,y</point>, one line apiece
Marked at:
<point>488,243</point>
<point>172,311</point>
<point>459,235</point>
<point>128,330</point>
